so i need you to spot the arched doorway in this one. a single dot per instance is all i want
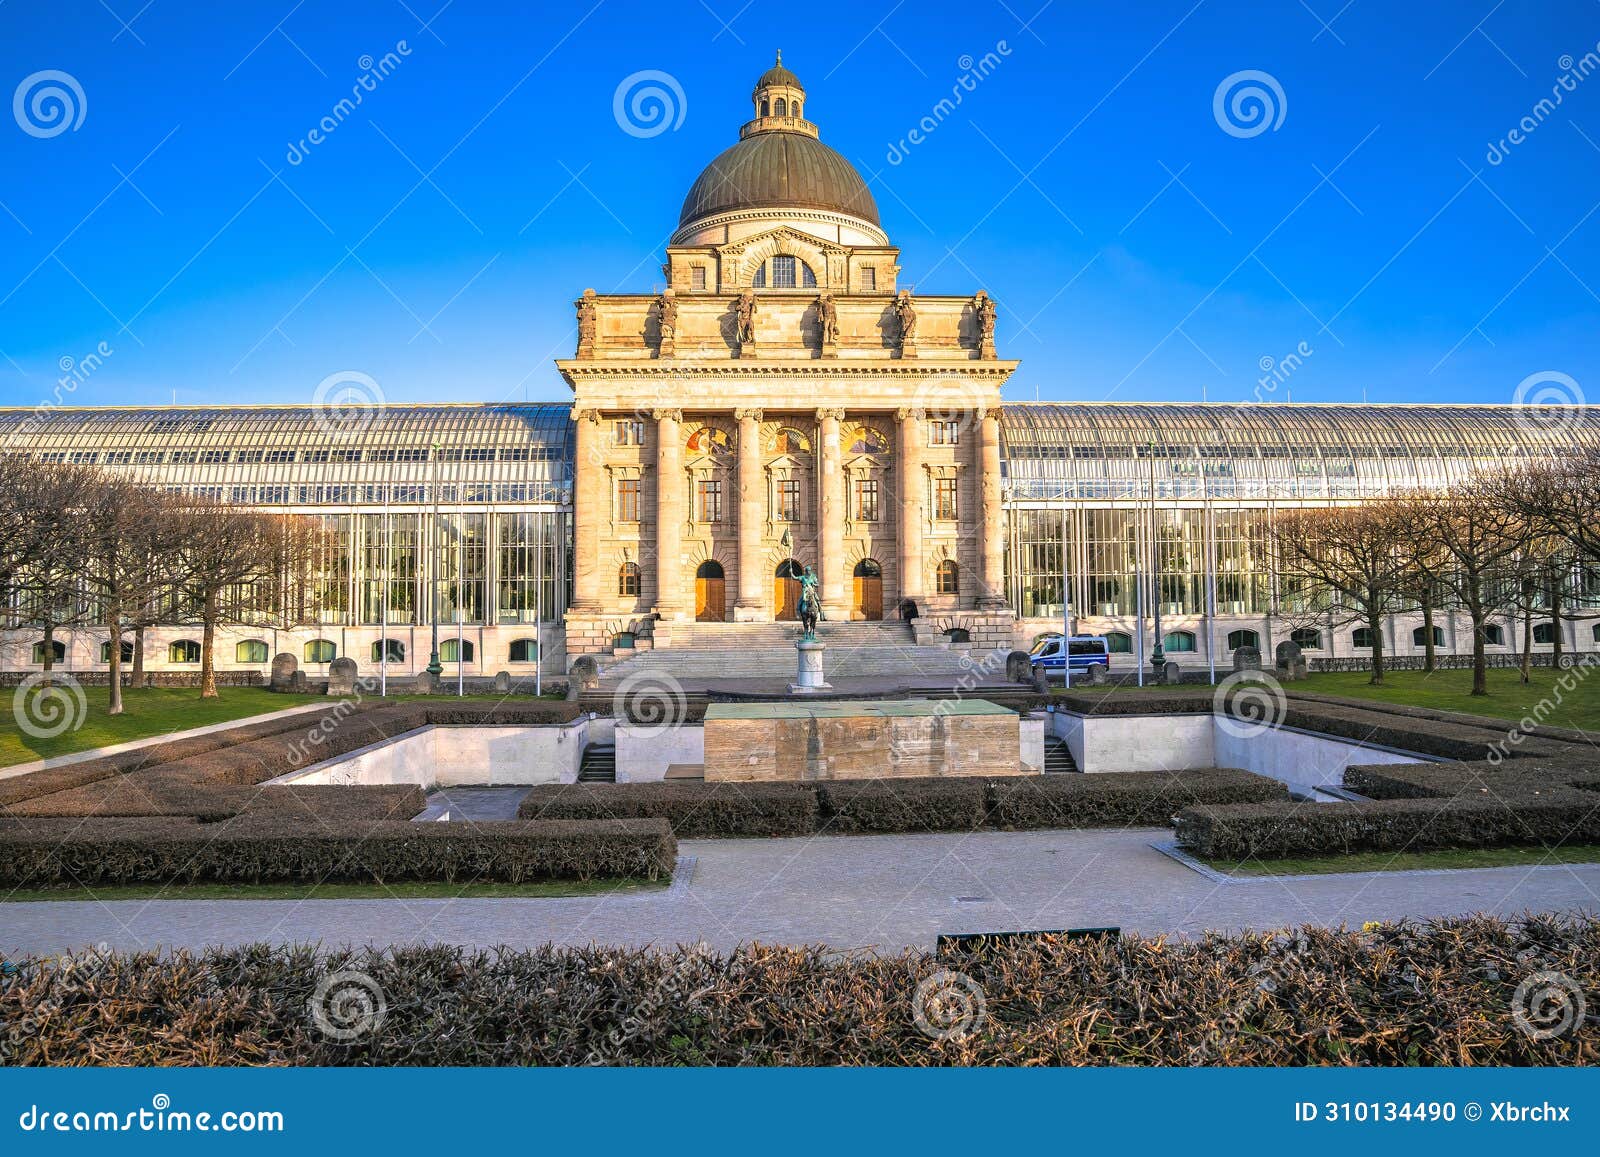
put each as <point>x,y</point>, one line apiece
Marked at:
<point>710,596</point>
<point>868,590</point>
<point>786,591</point>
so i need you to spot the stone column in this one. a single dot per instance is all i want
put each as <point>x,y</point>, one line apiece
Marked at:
<point>830,518</point>
<point>669,515</point>
<point>912,484</point>
<point>589,504</point>
<point>991,551</point>
<point>755,594</point>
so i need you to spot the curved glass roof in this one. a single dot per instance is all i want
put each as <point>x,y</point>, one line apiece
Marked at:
<point>275,455</point>
<point>1255,450</point>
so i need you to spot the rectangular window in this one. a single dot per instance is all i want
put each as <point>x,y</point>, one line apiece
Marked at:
<point>944,498</point>
<point>866,500</point>
<point>869,280</point>
<point>783,272</point>
<point>944,433</point>
<point>710,500</point>
<point>788,500</point>
<point>627,500</point>
<point>629,432</point>
<point>697,277</point>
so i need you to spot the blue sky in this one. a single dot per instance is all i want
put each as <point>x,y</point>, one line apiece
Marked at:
<point>436,238</point>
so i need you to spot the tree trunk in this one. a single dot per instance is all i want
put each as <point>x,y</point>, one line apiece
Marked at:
<point>1427,632</point>
<point>1557,641</point>
<point>137,678</point>
<point>1527,642</point>
<point>49,650</point>
<point>1480,664</point>
<point>114,661</point>
<point>208,638</point>
<point>1375,625</point>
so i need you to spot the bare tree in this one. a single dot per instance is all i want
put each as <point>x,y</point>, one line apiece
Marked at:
<point>220,548</point>
<point>132,532</point>
<point>1352,556</point>
<point>45,546</point>
<point>1480,539</point>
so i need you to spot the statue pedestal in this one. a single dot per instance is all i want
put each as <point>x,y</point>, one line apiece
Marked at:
<point>808,675</point>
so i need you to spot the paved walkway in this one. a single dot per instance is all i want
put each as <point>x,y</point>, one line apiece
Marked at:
<point>850,892</point>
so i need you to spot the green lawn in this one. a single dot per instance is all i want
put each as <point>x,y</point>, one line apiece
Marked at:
<point>1407,861</point>
<point>149,711</point>
<point>1509,698</point>
<point>425,890</point>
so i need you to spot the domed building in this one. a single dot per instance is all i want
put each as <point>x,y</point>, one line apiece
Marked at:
<point>783,401</point>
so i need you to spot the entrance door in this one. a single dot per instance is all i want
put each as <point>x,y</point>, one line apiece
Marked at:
<point>710,596</point>
<point>868,590</point>
<point>786,591</point>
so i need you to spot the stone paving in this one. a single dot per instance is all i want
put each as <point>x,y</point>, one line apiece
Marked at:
<point>849,892</point>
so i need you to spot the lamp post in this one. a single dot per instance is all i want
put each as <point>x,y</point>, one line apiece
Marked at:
<point>435,668</point>
<point>1158,654</point>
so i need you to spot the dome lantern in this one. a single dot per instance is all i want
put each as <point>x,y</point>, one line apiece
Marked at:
<point>779,103</point>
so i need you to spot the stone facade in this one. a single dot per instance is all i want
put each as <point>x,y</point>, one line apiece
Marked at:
<point>785,402</point>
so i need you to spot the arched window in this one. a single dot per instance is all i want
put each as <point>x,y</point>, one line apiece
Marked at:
<point>1119,642</point>
<point>1307,639</point>
<point>1596,632</point>
<point>58,651</point>
<point>782,108</point>
<point>1361,638</point>
<point>455,651</point>
<point>794,109</point>
<point>709,440</point>
<point>184,651</point>
<point>1494,635</point>
<point>866,440</point>
<point>628,579</point>
<point>787,272</point>
<point>766,108</point>
<point>524,650</point>
<point>320,651</point>
<point>958,635</point>
<point>396,651</point>
<point>1544,633</point>
<point>1178,641</point>
<point>1243,638</point>
<point>250,651</point>
<point>791,441</point>
<point>868,568</point>
<point>1419,637</point>
<point>947,578</point>
<point>127,651</point>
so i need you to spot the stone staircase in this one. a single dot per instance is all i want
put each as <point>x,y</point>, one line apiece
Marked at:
<point>599,764</point>
<point>1058,757</point>
<point>765,651</point>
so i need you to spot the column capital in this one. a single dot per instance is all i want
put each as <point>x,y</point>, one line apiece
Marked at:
<point>586,413</point>
<point>837,414</point>
<point>667,415</point>
<point>749,414</point>
<point>907,414</point>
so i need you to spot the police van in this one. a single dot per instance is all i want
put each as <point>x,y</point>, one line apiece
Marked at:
<point>1081,653</point>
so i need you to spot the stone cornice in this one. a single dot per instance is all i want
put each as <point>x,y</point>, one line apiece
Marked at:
<point>923,367</point>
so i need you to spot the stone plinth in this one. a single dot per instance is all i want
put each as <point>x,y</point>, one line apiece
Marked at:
<point>808,677</point>
<point>851,739</point>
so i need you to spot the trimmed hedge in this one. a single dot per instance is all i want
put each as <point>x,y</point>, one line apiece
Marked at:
<point>1441,993</point>
<point>705,811</point>
<point>919,804</point>
<point>1134,798</point>
<point>912,804</point>
<point>1411,807</point>
<point>281,847</point>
